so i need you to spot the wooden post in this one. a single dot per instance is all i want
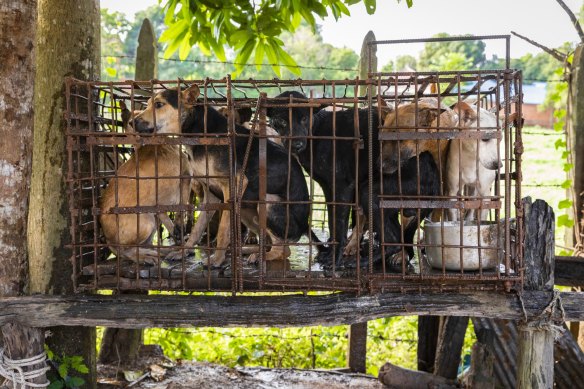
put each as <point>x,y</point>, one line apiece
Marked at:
<point>358,348</point>
<point>17,57</point>
<point>481,374</point>
<point>68,36</point>
<point>357,355</point>
<point>535,366</point>
<point>428,330</point>
<point>121,345</point>
<point>450,342</point>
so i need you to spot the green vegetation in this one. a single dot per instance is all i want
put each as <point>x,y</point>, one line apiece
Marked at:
<point>65,367</point>
<point>251,28</point>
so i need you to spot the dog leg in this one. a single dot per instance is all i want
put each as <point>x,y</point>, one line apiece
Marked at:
<point>353,245</point>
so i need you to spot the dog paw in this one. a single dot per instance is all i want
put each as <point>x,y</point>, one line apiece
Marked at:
<point>351,249</point>
<point>178,255</point>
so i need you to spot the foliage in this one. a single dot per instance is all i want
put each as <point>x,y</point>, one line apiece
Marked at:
<point>65,366</point>
<point>304,46</point>
<point>392,339</point>
<point>251,28</point>
<point>435,53</point>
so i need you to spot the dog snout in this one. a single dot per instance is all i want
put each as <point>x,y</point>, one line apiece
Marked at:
<point>494,165</point>
<point>298,145</point>
<point>389,164</point>
<point>142,126</point>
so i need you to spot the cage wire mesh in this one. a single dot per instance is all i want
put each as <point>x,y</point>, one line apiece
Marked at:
<point>273,185</point>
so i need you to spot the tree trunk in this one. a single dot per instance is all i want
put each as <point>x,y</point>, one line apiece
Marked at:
<point>68,45</point>
<point>17,56</point>
<point>450,342</point>
<point>428,330</point>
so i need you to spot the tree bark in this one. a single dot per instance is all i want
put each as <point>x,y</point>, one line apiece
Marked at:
<point>17,56</point>
<point>68,45</point>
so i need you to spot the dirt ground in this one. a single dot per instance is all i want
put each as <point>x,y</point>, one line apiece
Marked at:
<point>157,372</point>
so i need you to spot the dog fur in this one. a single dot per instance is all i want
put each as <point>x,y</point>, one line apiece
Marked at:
<point>472,164</point>
<point>318,156</point>
<point>286,222</point>
<point>149,178</point>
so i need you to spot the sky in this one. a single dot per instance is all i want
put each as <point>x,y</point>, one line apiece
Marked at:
<point>541,20</point>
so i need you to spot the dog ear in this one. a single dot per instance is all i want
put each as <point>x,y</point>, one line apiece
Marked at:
<point>515,120</point>
<point>245,114</point>
<point>465,112</point>
<point>190,95</point>
<point>427,115</point>
<point>384,109</point>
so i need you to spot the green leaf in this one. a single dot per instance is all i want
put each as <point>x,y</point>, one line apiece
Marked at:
<point>568,167</point>
<point>565,221</point>
<point>56,385</point>
<point>370,6</point>
<point>287,60</point>
<point>74,382</point>
<point>273,58</point>
<point>111,72</point>
<point>185,47</point>
<point>259,54</point>
<point>566,184</point>
<point>565,204</point>
<point>63,370</point>
<point>560,143</point>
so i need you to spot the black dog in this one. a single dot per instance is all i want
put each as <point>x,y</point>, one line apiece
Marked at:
<point>331,163</point>
<point>287,205</point>
<point>392,230</point>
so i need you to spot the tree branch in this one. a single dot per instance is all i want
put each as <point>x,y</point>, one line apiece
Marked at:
<point>573,18</point>
<point>553,52</point>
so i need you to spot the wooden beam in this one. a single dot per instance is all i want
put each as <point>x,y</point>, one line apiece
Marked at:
<point>428,330</point>
<point>125,311</point>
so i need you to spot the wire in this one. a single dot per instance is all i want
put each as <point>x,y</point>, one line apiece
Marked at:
<point>237,63</point>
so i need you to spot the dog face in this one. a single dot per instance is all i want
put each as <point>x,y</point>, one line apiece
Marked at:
<point>486,150</point>
<point>161,114</point>
<point>294,122</point>
<point>394,154</point>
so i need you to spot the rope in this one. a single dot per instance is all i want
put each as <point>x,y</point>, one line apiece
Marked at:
<point>544,321</point>
<point>13,370</point>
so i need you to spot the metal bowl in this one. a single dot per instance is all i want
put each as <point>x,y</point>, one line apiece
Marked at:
<point>482,249</point>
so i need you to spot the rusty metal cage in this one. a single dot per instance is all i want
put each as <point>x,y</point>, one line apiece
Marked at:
<point>316,188</point>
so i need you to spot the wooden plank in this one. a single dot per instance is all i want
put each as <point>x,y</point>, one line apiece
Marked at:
<point>450,342</point>
<point>428,330</point>
<point>358,348</point>
<point>535,367</point>
<point>127,311</point>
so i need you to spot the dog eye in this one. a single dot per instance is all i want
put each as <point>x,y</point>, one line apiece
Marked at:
<point>158,104</point>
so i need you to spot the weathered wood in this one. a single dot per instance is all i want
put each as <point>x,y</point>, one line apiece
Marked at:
<point>17,71</point>
<point>450,341</point>
<point>481,374</point>
<point>397,378</point>
<point>68,44</point>
<point>146,53</point>
<point>365,61</point>
<point>535,367</point>
<point>428,330</point>
<point>188,311</point>
<point>357,358</point>
<point>569,271</point>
